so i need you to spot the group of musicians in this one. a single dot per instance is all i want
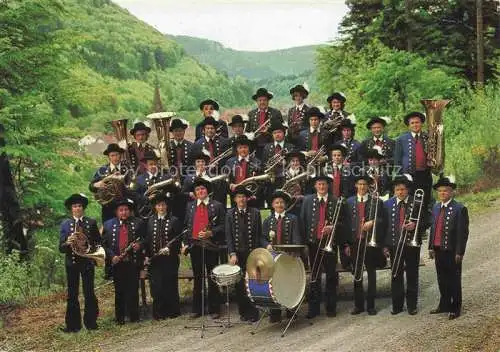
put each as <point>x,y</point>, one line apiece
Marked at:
<point>224,180</point>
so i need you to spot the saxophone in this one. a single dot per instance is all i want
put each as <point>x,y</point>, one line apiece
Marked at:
<point>435,129</point>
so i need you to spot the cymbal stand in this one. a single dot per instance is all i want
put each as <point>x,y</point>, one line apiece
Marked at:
<point>226,323</point>
<point>204,324</point>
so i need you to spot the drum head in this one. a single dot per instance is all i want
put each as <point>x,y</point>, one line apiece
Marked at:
<point>289,280</point>
<point>226,269</point>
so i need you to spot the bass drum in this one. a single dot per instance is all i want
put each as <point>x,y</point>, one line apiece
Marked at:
<point>275,279</point>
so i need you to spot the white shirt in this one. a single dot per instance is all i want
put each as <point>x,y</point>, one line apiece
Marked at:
<point>277,215</point>
<point>208,139</point>
<point>281,144</point>
<point>399,201</point>
<point>204,201</point>
<point>247,158</point>
<point>325,197</point>
<point>300,107</point>
<point>415,134</point>
<point>177,143</point>
<point>362,198</point>
<point>446,204</point>
<point>78,219</point>
<point>203,174</point>
<point>242,210</point>
<point>152,175</point>
<point>161,217</point>
<point>375,139</point>
<point>293,172</point>
<point>114,168</point>
<point>311,130</point>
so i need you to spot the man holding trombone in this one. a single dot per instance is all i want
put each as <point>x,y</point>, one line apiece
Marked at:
<point>404,226</point>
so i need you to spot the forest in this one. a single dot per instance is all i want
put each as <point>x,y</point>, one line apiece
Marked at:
<point>69,67</point>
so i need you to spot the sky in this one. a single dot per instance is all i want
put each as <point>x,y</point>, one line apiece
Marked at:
<point>255,25</point>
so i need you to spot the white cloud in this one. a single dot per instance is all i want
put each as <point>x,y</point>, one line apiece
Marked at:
<point>243,24</point>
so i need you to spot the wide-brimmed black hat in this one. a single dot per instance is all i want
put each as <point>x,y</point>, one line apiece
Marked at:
<point>337,95</point>
<point>200,181</point>
<point>177,123</point>
<point>113,147</point>
<point>337,146</point>
<point>314,111</point>
<point>124,201</point>
<point>404,179</point>
<point>140,126</point>
<point>241,190</point>
<point>299,88</point>
<point>414,114</point>
<point>363,176</point>
<point>262,92</point>
<point>209,102</point>
<point>277,126</point>
<point>320,177</point>
<point>280,194</point>
<point>77,198</point>
<point>346,123</point>
<point>242,140</point>
<point>296,154</point>
<point>373,153</point>
<point>375,120</point>
<point>161,197</point>
<point>237,119</point>
<point>447,181</point>
<point>150,155</point>
<point>200,156</point>
<point>209,121</point>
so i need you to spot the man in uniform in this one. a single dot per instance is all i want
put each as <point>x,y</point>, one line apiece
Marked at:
<point>347,131</point>
<point>296,114</point>
<point>210,143</point>
<point>123,236</point>
<point>340,174</point>
<point>237,125</point>
<point>77,266</point>
<point>243,229</point>
<point>378,138</point>
<point>313,137</point>
<point>139,146</point>
<point>447,242</point>
<point>210,108</point>
<point>180,148</point>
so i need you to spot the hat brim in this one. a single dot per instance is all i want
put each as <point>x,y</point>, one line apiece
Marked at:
<point>267,95</point>
<point>375,120</point>
<point>241,190</point>
<point>337,97</point>
<point>76,199</point>
<point>209,102</point>
<point>177,126</point>
<point>299,155</point>
<point>201,182</point>
<point>124,202</point>
<point>414,114</point>
<point>300,90</point>
<point>232,123</point>
<point>281,194</point>
<point>119,150</point>
<point>444,184</point>
<point>134,130</point>
<point>341,148</point>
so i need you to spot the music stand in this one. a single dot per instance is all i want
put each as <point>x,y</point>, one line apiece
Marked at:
<point>204,325</point>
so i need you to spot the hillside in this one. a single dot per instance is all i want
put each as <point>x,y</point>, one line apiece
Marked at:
<point>250,64</point>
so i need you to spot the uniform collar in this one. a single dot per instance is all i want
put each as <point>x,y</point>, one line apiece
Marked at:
<point>114,168</point>
<point>399,200</point>
<point>152,175</point>
<point>311,130</point>
<point>247,158</point>
<point>447,203</point>
<point>364,198</point>
<point>205,201</point>
<point>414,135</point>
<point>177,143</point>
<point>300,107</point>
<point>381,138</point>
<point>325,197</point>
<point>281,144</point>
<point>277,215</point>
<point>76,219</point>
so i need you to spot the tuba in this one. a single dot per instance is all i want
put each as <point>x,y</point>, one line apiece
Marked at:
<point>252,183</point>
<point>81,247</point>
<point>161,122</point>
<point>435,129</point>
<point>156,188</point>
<point>120,128</point>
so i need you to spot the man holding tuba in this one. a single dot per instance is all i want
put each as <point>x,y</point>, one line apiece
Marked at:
<point>139,146</point>
<point>79,234</point>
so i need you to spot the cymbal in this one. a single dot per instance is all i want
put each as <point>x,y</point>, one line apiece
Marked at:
<point>260,264</point>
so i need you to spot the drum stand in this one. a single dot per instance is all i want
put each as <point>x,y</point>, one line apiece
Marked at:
<point>226,323</point>
<point>204,324</point>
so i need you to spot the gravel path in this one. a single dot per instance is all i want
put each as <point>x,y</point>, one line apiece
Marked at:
<point>478,329</point>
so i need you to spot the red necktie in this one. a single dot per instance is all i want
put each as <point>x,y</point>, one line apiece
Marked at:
<point>123,237</point>
<point>336,182</point>
<point>378,142</point>
<point>314,141</point>
<point>279,228</point>
<point>241,172</point>
<point>438,231</point>
<point>401,214</point>
<point>262,117</point>
<point>420,161</point>
<point>322,218</point>
<point>361,217</point>
<point>211,148</point>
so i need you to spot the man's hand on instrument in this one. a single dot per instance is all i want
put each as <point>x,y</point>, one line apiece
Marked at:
<point>458,258</point>
<point>432,254</point>
<point>232,186</point>
<point>233,259</point>
<point>147,261</point>
<point>410,226</point>
<point>99,184</point>
<point>367,225</point>
<point>269,247</point>
<point>386,252</point>
<point>205,234</point>
<point>136,246</point>
<point>115,259</point>
<point>327,229</point>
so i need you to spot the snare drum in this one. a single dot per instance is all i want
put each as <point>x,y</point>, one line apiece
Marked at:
<point>286,286</point>
<point>226,275</point>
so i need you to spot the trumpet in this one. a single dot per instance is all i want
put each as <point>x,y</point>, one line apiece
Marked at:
<point>154,189</point>
<point>225,154</point>
<point>126,252</point>
<point>221,177</point>
<point>252,183</point>
<point>258,131</point>
<point>418,199</point>
<point>275,161</point>
<point>166,249</point>
<point>331,125</point>
<point>316,157</point>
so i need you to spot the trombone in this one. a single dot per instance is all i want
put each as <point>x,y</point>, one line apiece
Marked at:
<point>418,199</point>
<point>328,248</point>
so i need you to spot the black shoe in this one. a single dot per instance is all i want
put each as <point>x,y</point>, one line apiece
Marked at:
<point>357,311</point>
<point>311,315</point>
<point>452,316</point>
<point>94,327</point>
<point>173,315</point>
<point>289,314</point>
<point>396,311</point>
<point>120,322</point>
<point>331,314</point>
<point>215,316</point>
<point>243,318</point>
<point>253,318</point>
<point>372,311</point>
<point>412,311</point>
<point>275,318</point>
<point>195,315</point>
<point>68,330</point>
<point>438,310</point>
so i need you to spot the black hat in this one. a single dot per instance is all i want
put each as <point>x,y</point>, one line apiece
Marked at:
<point>414,114</point>
<point>299,88</point>
<point>338,146</point>
<point>363,176</point>
<point>237,119</point>
<point>336,95</point>
<point>373,153</point>
<point>124,201</point>
<point>242,140</point>
<point>281,194</point>
<point>200,155</point>
<point>320,177</point>
<point>262,92</point>
<point>314,111</point>
<point>448,181</point>
<point>346,123</point>
<point>140,126</point>
<point>113,147</point>
<point>404,179</point>
<point>150,155</point>
<point>209,102</point>
<point>161,197</point>
<point>200,181</point>
<point>376,120</point>
<point>296,154</point>
<point>277,126</point>
<point>241,190</point>
<point>77,198</point>
<point>177,123</point>
<point>209,121</point>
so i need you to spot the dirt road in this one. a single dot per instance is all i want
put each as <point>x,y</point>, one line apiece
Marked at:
<point>478,329</point>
